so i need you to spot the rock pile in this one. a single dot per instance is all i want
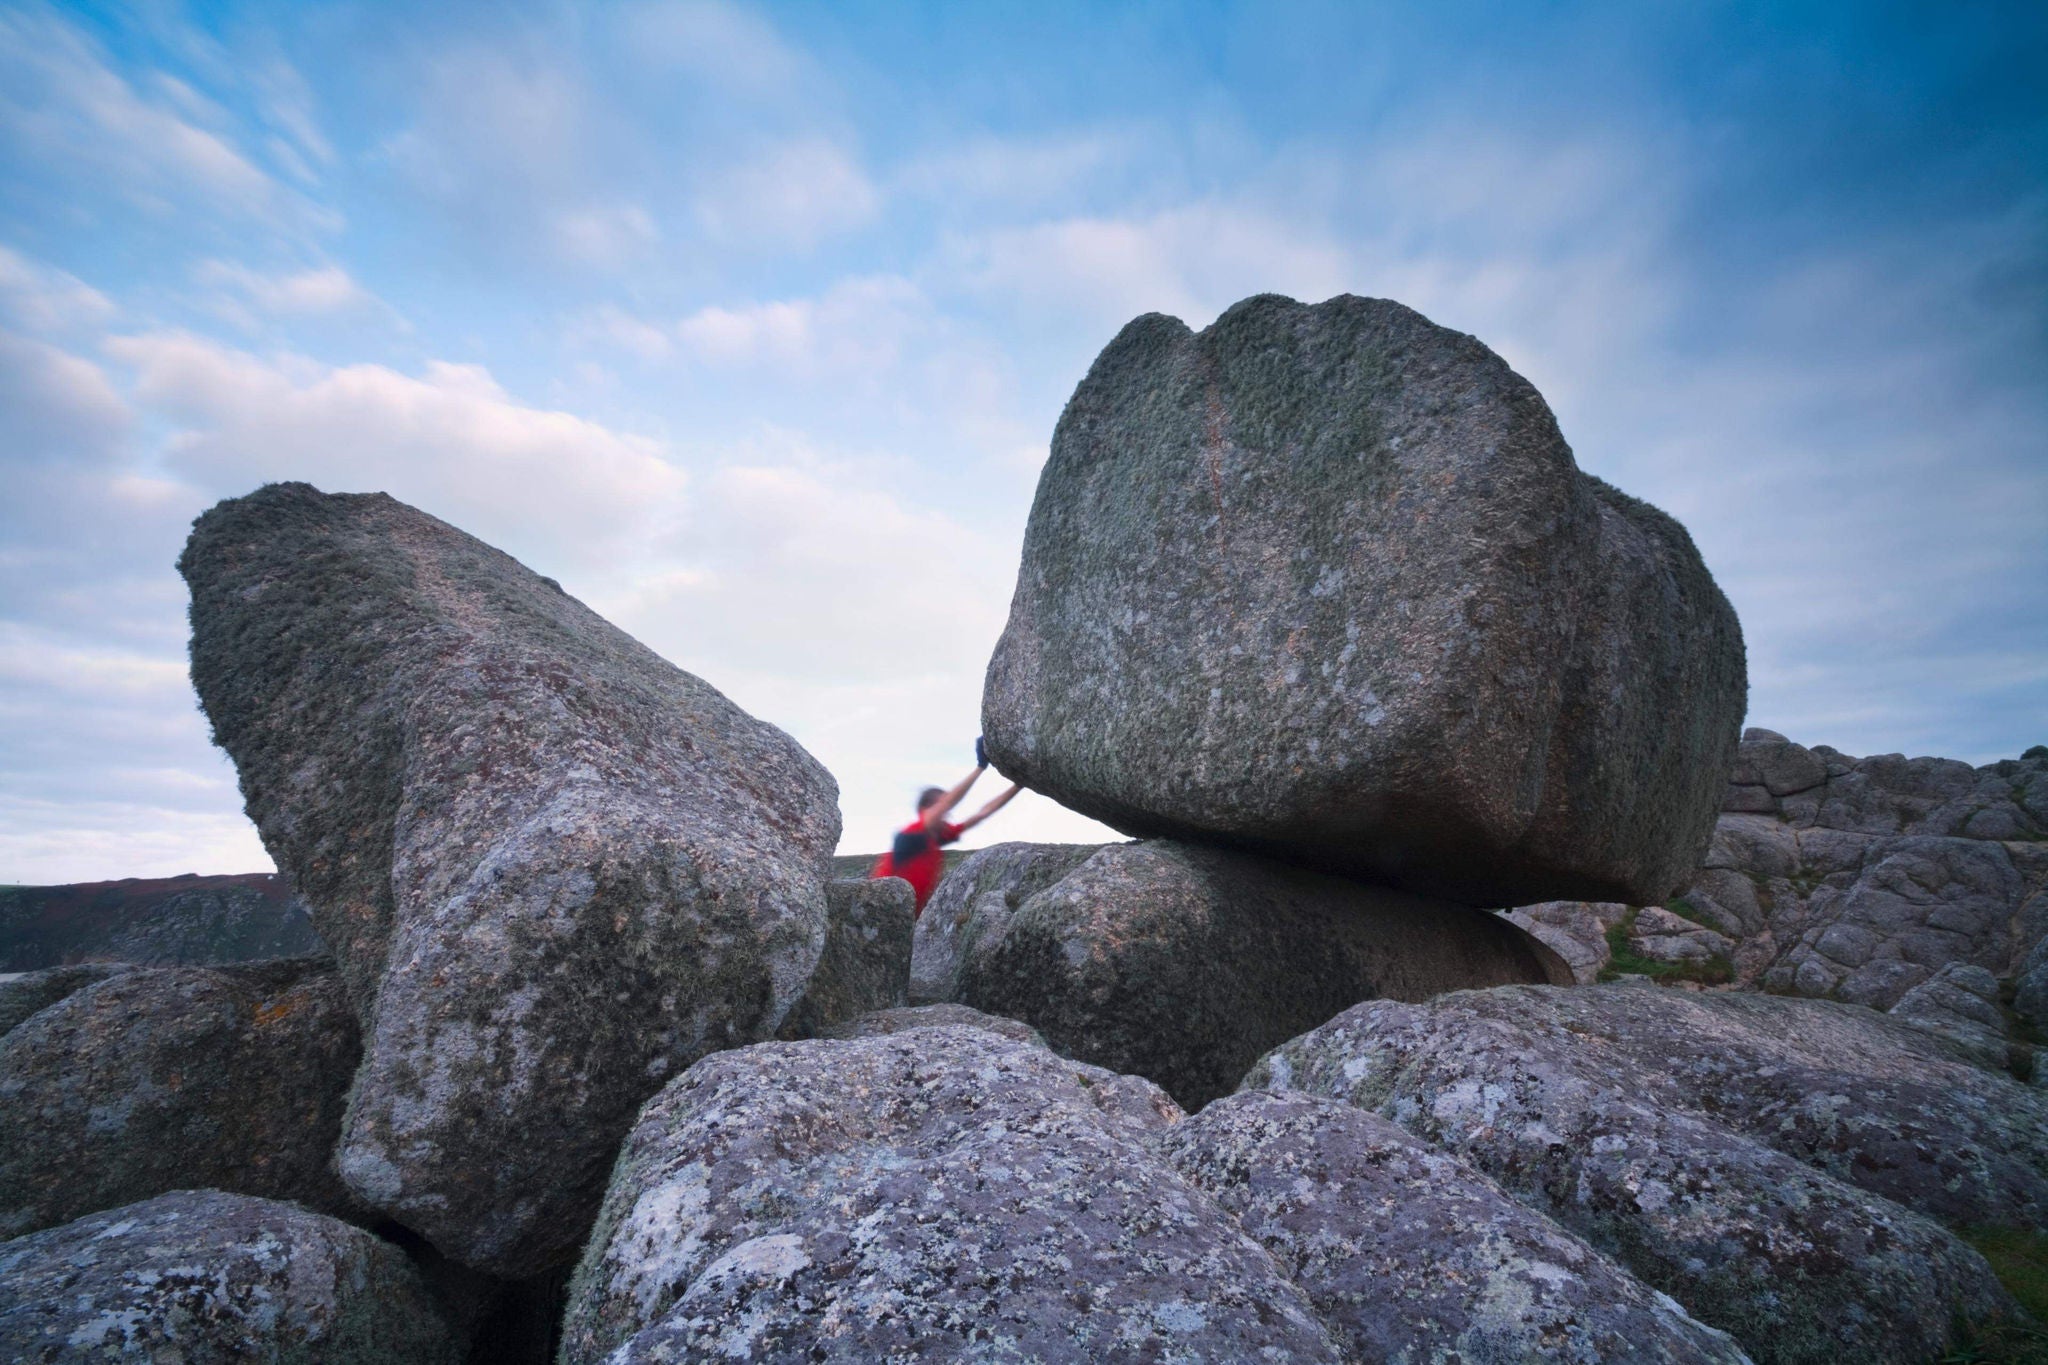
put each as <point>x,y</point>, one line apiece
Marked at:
<point>1324,582</point>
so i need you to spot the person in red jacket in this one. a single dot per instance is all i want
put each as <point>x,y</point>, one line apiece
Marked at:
<point>914,854</point>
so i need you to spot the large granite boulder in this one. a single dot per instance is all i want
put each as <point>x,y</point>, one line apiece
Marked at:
<point>1959,1003</point>
<point>1324,581</point>
<point>204,1278</point>
<point>1778,1166</point>
<point>166,1078</point>
<point>23,995</point>
<point>1411,1255</point>
<point>555,868</point>
<point>883,1022</point>
<point>1182,963</point>
<point>935,1194</point>
<point>976,899</point>
<point>866,963</point>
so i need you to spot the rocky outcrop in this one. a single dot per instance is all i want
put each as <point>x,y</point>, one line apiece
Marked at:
<point>1777,1166</point>
<point>206,1278</point>
<point>1324,582</point>
<point>866,963</point>
<point>936,1194</point>
<point>1959,1003</point>
<point>166,921</point>
<point>1411,1255</point>
<point>166,1078</point>
<point>1848,879</point>
<point>555,869</point>
<point>1182,964</point>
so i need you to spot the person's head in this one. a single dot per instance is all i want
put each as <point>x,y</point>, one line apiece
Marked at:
<point>929,797</point>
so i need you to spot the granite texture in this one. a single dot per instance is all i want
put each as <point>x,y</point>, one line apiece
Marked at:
<point>555,869</point>
<point>199,1277</point>
<point>166,1078</point>
<point>1324,581</point>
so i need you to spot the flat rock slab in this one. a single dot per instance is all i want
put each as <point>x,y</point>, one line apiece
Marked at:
<point>555,868</point>
<point>1411,1255</point>
<point>163,1078</point>
<point>1734,1151</point>
<point>936,1194</point>
<point>1325,581</point>
<point>205,1278</point>
<point>1183,964</point>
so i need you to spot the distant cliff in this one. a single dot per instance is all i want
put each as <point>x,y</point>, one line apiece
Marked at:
<point>155,921</point>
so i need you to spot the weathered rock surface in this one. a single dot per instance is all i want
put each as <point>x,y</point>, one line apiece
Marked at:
<point>1324,581</point>
<point>1853,879</point>
<point>1960,1003</point>
<point>883,1022</point>
<point>166,1078</point>
<point>23,995</point>
<point>1742,1153</point>
<point>1575,930</point>
<point>164,921</point>
<point>205,1278</point>
<point>1411,1255</point>
<point>555,869</point>
<point>937,1194</point>
<point>866,963</point>
<point>1182,964</point>
<point>976,899</point>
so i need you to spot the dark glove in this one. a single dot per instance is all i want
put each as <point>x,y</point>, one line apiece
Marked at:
<point>981,751</point>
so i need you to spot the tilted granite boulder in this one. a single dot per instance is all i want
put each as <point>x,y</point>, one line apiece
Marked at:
<point>555,868</point>
<point>936,1194</point>
<point>866,963</point>
<point>1411,1255</point>
<point>1323,581</point>
<point>205,1278</point>
<point>167,1078</point>
<point>1742,1153</point>
<point>1182,964</point>
<point>975,899</point>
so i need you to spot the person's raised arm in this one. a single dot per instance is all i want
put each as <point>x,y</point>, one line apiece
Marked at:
<point>935,814</point>
<point>991,808</point>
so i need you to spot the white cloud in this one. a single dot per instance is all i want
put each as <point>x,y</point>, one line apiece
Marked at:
<point>61,101</point>
<point>723,45</point>
<point>60,409</point>
<point>1029,173</point>
<point>857,324</point>
<point>608,236</point>
<point>449,440</point>
<point>611,326</point>
<point>42,298</point>
<point>321,289</point>
<point>792,193</point>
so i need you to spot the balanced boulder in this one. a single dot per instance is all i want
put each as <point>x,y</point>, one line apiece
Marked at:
<point>1325,582</point>
<point>1777,1166</point>
<point>555,868</point>
<point>166,1078</point>
<point>936,1194</point>
<point>1182,963</point>
<point>205,1278</point>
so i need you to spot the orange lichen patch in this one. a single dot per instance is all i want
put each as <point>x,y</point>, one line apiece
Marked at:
<point>283,1007</point>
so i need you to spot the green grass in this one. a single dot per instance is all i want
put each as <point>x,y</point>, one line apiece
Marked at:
<point>1622,960</point>
<point>2020,1260</point>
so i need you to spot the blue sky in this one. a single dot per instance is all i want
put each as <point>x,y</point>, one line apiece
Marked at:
<point>750,324</point>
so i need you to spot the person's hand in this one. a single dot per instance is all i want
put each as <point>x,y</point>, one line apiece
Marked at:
<point>981,751</point>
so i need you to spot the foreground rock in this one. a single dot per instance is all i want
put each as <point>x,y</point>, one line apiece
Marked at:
<point>555,868</point>
<point>884,1022</point>
<point>1183,964</point>
<point>1410,1255</point>
<point>166,1078</point>
<point>161,921</point>
<point>1853,879</point>
<point>1741,1153</point>
<point>866,963</point>
<point>1324,581</point>
<point>937,1194</point>
<point>205,1278</point>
